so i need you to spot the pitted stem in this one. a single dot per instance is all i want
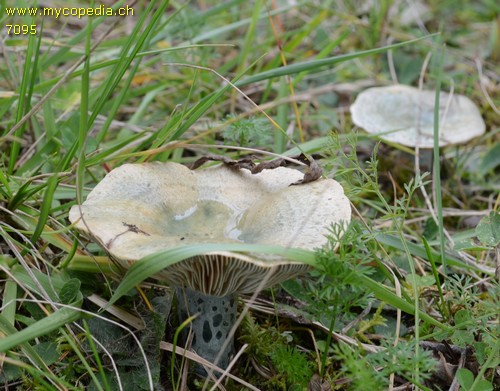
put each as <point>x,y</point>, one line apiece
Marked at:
<point>212,325</point>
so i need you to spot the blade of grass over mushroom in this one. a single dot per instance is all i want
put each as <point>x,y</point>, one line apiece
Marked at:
<point>317,64</point>
<point>151,264</point>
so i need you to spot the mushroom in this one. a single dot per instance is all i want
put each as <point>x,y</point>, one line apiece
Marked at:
<point>405,115</point>
<point>141,209</point>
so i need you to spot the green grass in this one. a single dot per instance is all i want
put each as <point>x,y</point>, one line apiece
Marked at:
<point>177,81</point>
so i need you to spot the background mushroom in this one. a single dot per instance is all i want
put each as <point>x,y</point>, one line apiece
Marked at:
<point>141,209</point>
<point>405,115</point>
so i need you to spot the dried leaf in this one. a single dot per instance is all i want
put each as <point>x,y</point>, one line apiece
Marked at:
<point>269,165</point>
<point>312,173</point>
<point>318,384</point>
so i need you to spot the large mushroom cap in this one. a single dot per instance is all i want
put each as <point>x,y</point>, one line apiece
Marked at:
<point>405,115</point>
<point>140,209</point>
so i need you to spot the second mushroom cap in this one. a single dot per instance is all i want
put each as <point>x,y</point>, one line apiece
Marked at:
<point>405,115</point>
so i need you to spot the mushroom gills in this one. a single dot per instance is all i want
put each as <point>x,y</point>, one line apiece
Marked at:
<point>215,317</point>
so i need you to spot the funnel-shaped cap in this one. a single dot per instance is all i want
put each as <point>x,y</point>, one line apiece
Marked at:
<point>140,209</point>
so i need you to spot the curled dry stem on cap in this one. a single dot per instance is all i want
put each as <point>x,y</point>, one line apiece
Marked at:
<point>142,209</point>
<point>312,173</point>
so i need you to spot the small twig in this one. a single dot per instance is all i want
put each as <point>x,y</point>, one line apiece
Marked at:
<point>312,173</point>
<point>445,348</point>
<point>246,162</point>
<point>390,62</point>
<point>446,373</point>
<point>130,228</point>
<point>461,364</point>
<point>479,68</point>
<point>193,356</point>
<point>231,364</point>
<point>356,320</point>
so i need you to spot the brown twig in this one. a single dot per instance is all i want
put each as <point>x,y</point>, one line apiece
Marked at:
<point>312,173</point>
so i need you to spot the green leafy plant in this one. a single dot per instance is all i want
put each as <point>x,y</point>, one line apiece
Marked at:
<point>289,366</point>
<point>294,366</point>
<point>248,132</point>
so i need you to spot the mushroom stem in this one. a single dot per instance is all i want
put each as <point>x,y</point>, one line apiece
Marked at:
<point>212,325</point>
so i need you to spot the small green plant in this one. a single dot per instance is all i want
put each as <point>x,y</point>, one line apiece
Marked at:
<point>288,367</point>
<point>334,289</point>
<point>357,369</point>
<point>372,371</point>
<point>466,379</point>
<point>292,365</point>
<point>248,132</point>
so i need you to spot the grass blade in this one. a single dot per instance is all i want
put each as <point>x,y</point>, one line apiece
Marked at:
<point>317,64</point>
<point>437,161</point>
<point>152,264</point>
<point>42,327</point>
